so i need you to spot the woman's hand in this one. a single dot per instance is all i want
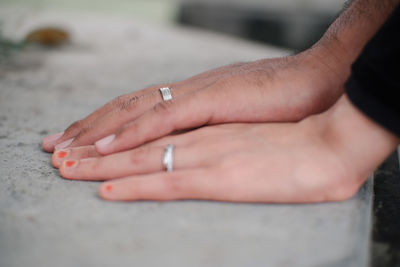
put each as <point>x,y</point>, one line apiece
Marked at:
<point>282,89</point>
<point>326,157</point>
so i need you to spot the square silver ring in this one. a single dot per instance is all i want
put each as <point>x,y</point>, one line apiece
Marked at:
<point>166,93</point>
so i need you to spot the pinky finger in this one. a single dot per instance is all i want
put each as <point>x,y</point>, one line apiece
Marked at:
<point>162,186</point>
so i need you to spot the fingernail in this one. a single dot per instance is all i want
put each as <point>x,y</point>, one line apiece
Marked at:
<point>106,191</point>
<point>64,144</point>
<point>102,143</point>
<point>52,138</point>
<point>109,188</point>
<point>62,154</point>
<point>70,163</point>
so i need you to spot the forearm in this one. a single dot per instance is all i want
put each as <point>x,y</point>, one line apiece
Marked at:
<point>359,21</point>
<point>346,37</point>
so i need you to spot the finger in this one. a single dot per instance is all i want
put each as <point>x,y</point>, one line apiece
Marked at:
<point>133,162</point>
<point>73,153</point>
<point>49,142</point>
<point>128,111</point>
<point>200,183</point>
<point>166,117</point>
<point>112,121</point>
<point>65,138</point>
<point>184,184</point>
<point>202,80</point>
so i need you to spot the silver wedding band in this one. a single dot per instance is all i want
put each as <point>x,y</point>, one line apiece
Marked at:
<point>168,159</point>
<point>166,93</point>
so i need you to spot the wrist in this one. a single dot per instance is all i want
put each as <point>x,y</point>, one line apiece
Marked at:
<point>345,39</point>
<point>360,142</point>
<point>325,74</point>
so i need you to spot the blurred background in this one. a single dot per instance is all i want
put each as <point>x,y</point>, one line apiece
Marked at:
<point>294,24</point>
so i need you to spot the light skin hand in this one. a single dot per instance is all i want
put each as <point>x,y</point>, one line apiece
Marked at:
<point>325,157</point>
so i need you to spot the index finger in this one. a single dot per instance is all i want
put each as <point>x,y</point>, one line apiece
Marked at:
<point>49,142</point>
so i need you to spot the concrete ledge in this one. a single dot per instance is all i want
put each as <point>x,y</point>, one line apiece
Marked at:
<point>48,221</point>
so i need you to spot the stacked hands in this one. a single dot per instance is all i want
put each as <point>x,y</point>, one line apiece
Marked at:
<point>275,130</point>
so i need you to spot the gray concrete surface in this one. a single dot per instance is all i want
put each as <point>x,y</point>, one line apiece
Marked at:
<point>48,221</point>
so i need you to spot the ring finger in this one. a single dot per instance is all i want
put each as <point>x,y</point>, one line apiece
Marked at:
<point>141,160</point>
<point>82,152</point>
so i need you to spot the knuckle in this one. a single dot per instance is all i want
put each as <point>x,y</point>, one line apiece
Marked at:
<point>139,156</point>
<point>95,166</point>
<point>130,104</point>
<point>83,133</point>
<point>75,126</point>
<point>127,131</point>
<point>91,167</point>
<point>228,166</point>
<point>118,101</point>
<point>173,186</point>
<point>163,108</point>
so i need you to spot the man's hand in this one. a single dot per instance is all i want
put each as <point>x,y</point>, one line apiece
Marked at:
<point>325,157</point>
<point>286,89</point>
<point>282,89</point>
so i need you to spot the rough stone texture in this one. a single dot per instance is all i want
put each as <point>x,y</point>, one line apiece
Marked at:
<point>48,221</point>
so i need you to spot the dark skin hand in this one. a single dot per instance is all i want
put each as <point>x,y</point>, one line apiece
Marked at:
<point>269,90</point>
<point>283,89</point>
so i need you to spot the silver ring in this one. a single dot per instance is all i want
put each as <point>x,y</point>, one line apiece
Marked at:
<point>166,93</point>
<point>168,159</point>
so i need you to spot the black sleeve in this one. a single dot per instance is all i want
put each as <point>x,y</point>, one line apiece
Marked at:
<point>374,85</point>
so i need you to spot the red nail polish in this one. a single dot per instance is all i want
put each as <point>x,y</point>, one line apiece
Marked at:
<point>70,163</point>
<point>109,188</point>
<point>61,154</point>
